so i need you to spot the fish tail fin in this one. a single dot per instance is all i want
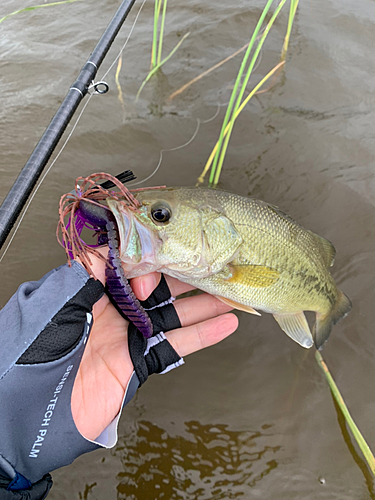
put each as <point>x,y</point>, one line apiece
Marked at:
<point>324,322</point>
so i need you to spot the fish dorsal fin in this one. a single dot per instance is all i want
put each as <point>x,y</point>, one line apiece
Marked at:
<point>238,306</point>
<point>253,275</point>
<point>328,250</point>
<point>296,327</point>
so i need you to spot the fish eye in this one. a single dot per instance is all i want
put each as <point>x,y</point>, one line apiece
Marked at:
<point>161,212</point>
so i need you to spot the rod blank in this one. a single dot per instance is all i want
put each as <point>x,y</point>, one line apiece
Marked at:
<point>29,175</point>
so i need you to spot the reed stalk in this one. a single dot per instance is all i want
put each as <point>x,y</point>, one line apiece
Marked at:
<point>363,446</point>
<point>236,96</point>
<point>118,85</point>
<point>157,42</point>
<point>162,31</point>
<point>155,33</point>
<point>36,7</point>
<point>235,89</point>
<point>292,14</point>
<point>251,94</point>
<point>159,65</point>
<point>205,73</point>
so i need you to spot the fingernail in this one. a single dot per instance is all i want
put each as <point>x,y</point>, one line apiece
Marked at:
<point>147,285</point>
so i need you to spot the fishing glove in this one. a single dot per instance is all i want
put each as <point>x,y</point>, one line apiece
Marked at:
<point>44,329</point>
<point>155,355</point>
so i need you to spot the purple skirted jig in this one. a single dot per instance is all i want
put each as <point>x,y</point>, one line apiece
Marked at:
<point>83,209</point>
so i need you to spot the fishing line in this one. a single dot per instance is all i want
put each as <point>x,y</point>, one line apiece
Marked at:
<point>215,115</point>
<point>66,141</point>
<point>126,41</point>
<point>199,122</point>
<point>42,179</point>
<point>171,149</point>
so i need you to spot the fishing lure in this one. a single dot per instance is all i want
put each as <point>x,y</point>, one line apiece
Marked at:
<point>81,209</point>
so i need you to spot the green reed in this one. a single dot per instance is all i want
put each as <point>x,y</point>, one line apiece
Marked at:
<point>36,7</point>
<point>248,62</point>
<point>160,10</point>
<point>245,101</point>
<point>161,35</point>
<point>363,446</point>
<point>159,65</point>
<point>154,47</point>
<point>246,69</point>
<point>292,14</point>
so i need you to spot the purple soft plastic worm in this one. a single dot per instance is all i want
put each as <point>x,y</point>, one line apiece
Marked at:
<point>120,289</point>
<point>118,286</point>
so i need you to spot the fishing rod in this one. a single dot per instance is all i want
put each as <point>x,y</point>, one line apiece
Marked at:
<point>29,175</point>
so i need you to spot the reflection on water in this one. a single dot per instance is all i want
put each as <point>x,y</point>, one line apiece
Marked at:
<point>211,462</point>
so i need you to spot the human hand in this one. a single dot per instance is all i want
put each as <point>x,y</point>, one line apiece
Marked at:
<point>106,366</point>
<point>54,370</point>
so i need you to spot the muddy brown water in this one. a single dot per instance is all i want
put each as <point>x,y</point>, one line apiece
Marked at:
<point>251,417</point>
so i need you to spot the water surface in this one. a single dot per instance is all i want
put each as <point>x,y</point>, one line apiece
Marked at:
<point>251,417</point>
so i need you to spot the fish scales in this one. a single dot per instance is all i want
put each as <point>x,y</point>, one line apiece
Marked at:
<point>245,251</point>
<point>295,255</point>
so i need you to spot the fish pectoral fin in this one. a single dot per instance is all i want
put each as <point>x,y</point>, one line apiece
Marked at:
<point>296,327</point>
<point>238,306</point>
<point>253,275</point>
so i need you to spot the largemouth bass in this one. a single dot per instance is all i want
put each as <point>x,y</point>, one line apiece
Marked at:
<point>246,252</point>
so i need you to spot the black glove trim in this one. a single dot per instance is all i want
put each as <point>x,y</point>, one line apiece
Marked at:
<point>32,307</point>
<point>63,333</point>
<point>159,307</point>
<point>158,296</point>
<point>164,318</point>
<point>154,355</point>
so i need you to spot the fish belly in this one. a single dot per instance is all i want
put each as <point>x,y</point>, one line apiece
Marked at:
<point>283,297</point>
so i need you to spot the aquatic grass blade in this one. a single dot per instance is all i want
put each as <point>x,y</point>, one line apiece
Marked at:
<point>251,94</point>
<point>118,84</point>
<point>161,35</point>
<point>292,14</point>
<point>155,33</point>
<point>364,447</point>
<point>36,7</point>
<point>205,73</point>
<point>153,71</point>
<point>237,82</point>
<point>223,145</point>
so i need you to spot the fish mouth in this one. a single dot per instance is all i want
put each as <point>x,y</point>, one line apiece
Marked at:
<point>138,244</point>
